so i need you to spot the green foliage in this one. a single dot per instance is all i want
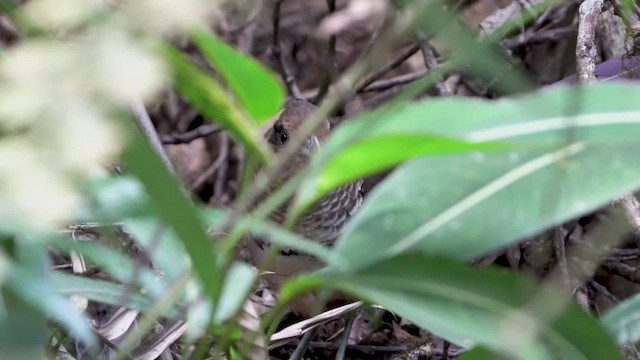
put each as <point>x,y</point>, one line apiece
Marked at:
<point>178,212</point>
<point>623,321</point>
<point>493,308</point>
<point>474,176</point>
<point>600,114</point>
<point>258,89</point>
<point>212,100</point>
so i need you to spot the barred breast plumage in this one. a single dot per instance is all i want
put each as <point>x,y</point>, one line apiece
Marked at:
<point>323,222</point>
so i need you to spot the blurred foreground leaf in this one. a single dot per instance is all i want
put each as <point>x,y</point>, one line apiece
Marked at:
<point>101,291</point>
<point>32,295</point>
<point>177,211</point>
<point>259,90</point>
<point>623,321</point>
<point>467,205</point>
<point>112,198</point>
<point>214,102</point>
<point>379,140</point>
<point>483,306</point>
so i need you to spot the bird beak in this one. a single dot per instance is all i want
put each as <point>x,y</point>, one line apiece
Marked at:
<point>309,147</point>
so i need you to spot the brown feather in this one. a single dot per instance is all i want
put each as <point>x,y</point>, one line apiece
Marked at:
<point>323,222</point>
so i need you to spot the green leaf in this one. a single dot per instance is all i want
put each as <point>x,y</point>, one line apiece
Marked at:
<point>238,283</point>
<point>113,198</point>
<point>215,218</point>
<point>162,244</point>
<point>480,353</point>
<point>99,290</point>
<point>31,288</point>
<point>259,90</point>
<point>214,102</point>
<point>623,321</point>
<point>601,113</point>
<point>118,265</point>
<point>175,208</point>
<point>22,330</point>
<point>467,205</point>
<point>487,307</point>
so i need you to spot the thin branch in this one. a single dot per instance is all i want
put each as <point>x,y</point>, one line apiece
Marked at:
<point>404,55</point>
<point>330,60</point>
<point>395,81</point>
<point>185,138</point>
<point>539,37</point>
<point>285,72</point>
<point>149,131</point>
<point>586,52</point>
<point>431,63</point>
<point>586,48</point>
<point>217,163</point>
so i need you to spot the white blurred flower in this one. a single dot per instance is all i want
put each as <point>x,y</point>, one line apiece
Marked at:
<point>32,76</point>
<point>31,191</point>
<point>82,140</point>
<point>164,17</point>
<point>123,69</point>
<point>61,13</point>
<point>58,98</point>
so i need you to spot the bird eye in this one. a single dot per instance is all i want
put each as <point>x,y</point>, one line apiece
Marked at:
<point>280,134</point>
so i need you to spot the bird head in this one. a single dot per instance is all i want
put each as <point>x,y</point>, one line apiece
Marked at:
<point>295,112</point>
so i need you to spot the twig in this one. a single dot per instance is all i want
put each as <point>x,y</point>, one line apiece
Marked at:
<point>330,60</point>
<point>604,291</point>
<point>586,49</point>
<point>222,157</point>
<point>376,349</point>
<point>559,236</point>
<point>199,132</point>
<point>345,338</point>
<point>221,174</point>
<point>623,270</point>
<point>629,18</point>
<point>287,77</point>
<point>586,52</point>
<point>431,63</point>
<point>149,131</point>
<point>395,81</point>
<point>533,37</point>
<point>386,68</point>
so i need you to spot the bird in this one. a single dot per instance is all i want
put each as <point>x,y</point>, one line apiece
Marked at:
<point>322,223</point>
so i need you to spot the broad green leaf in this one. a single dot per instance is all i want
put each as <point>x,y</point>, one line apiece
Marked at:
<point>32,289</point>
<point>177,211</point>
<point>623,321</point>
<point>22,330</point>
<point>99,290</point>
<point>258,89</point>
<point>487,307</point>
<point>113,198</point>
<point>162,245</point>
<point>214,102</point>
<point>465,206</point>
<point>601,113</point>
<point>238,283</point>
<point>480,353</point>
<point>115,263</point>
